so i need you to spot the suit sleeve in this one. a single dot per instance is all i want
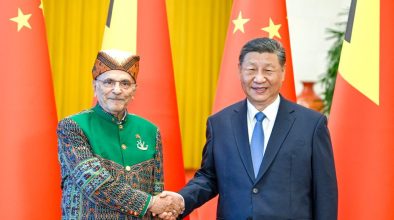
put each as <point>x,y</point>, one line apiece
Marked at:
<point>95,182</point>
<point>203,186</point>
<point>325,191</point>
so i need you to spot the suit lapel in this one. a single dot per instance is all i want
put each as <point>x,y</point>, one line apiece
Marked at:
<point>284,121</point>
<point>240,132</point>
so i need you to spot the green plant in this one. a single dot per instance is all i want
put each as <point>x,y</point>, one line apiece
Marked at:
<point>333,56</point>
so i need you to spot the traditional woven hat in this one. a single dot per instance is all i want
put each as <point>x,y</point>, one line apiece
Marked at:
<point>116,60</point>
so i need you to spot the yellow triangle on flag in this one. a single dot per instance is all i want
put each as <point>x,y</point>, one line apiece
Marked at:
<point>121,27</point>
<point>359,63</point>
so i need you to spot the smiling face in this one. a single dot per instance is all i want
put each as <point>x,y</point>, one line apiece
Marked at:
<point>261,78</point>
<point>113,100</point>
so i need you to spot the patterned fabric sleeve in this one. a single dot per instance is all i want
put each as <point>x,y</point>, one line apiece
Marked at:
<point>158,172</point>
<point>93,180</point>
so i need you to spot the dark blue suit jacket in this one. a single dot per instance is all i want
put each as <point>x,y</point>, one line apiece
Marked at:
<point>296,179</point>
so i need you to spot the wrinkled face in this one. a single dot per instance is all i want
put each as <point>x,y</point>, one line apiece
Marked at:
<point>112,91</point>
<point>261,78</point>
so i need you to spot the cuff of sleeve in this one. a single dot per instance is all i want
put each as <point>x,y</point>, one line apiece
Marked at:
<point>146,206</point>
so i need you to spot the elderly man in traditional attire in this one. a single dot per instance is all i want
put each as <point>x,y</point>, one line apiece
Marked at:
<point>111,160</point>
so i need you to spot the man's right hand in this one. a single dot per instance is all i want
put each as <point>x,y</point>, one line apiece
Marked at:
<point>168,205</point>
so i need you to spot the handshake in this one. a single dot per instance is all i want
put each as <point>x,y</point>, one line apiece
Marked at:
<point>167,205</point>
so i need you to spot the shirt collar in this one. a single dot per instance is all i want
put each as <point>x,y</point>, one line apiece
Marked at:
<point>270,111</point>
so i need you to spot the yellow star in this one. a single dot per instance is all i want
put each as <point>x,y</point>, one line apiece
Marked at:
<point>40,5</point>
<point>272,29</point>
<point>22,20</point>
<point>239,23</point>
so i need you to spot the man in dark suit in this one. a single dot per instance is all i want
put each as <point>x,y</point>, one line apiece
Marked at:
<point>266,157</point>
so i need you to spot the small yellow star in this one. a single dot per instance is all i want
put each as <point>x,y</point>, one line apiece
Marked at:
<point>272,29</point>
<point>22,20</point>
<point>239,23</point>
<point>41,5</point>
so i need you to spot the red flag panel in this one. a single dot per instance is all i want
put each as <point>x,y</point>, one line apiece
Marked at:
<point>30,183</point>
<point>262,14</point>
<point>362,135</point>
<point>156,97</point>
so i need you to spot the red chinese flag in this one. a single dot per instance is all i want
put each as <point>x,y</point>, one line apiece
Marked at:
<point>156,97</point>
<point>30,177</point>
<point>251,19</point>
<point>362,114</point>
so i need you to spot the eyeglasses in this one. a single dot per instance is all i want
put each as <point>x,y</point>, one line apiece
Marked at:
<point>124,84</point>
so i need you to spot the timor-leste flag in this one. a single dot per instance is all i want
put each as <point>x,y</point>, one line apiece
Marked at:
<point>362,113</point>
<point>29,171</point>
<point>141,28</point>
<point>251,19</point>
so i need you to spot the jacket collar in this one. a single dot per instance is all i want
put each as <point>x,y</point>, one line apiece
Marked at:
<point>283,123</point>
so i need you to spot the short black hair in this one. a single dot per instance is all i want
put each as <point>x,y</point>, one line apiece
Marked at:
<point>264,45</point>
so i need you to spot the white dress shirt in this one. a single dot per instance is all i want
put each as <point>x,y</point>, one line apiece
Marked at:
<point>270,113</point>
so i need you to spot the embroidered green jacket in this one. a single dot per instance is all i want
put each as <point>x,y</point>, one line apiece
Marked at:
<point>110,169</point>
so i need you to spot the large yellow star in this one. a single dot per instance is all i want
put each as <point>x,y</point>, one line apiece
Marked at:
<point>239,23</point>
<point>22,20</point>
<point>272,29</point>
